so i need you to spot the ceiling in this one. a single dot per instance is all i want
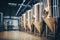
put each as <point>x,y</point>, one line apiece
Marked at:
<point>9,10</point>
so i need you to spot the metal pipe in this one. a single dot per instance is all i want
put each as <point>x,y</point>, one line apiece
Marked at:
<point>20,7</point>
<point>15,4</point>
<point>25,7</point>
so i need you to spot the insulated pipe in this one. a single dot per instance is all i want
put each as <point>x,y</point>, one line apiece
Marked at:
<point>20,6</point>
<point>25,6</point>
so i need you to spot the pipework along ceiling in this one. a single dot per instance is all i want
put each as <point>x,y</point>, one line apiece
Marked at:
<point>15,7</point>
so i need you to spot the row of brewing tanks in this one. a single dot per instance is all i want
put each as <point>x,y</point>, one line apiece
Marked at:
<point>38,21</point>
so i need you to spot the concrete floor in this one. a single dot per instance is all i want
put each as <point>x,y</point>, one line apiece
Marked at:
<point>17,35</point>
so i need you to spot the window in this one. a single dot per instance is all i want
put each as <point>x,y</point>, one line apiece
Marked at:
<point>11,23</point>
